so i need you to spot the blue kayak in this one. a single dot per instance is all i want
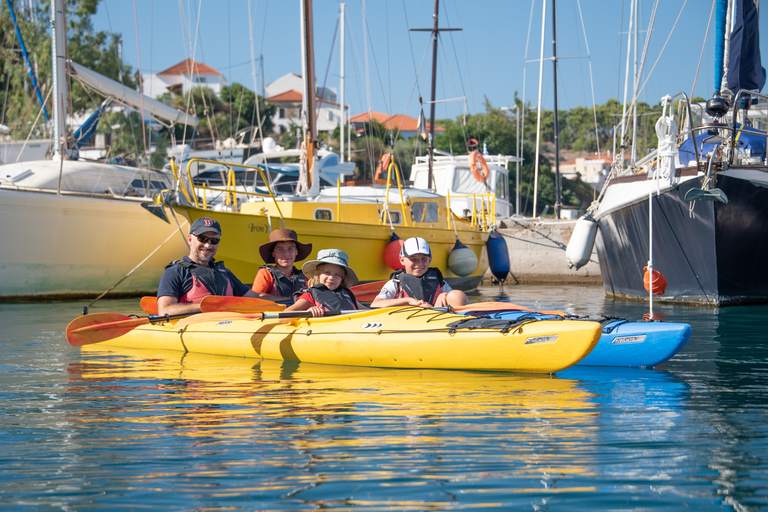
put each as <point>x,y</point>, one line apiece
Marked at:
<point>622,343</point>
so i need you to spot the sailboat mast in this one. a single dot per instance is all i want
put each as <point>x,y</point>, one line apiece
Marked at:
<point>308,101</point>
<point>432,103</point>
<point>634,91</point>
<point>558,192</point>
<point>58,60</point>
<point>342,117</point>
<point>435,31</point>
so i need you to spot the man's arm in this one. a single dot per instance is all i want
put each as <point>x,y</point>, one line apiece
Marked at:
<point>167,305</point>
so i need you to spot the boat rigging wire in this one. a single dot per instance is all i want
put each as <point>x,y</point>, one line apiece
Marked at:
<point>134,269</point>
<point>650,28</point>
<point>703,46</point>
<point>29,135</point>
<point>591,79</point>
<point>141,89</point>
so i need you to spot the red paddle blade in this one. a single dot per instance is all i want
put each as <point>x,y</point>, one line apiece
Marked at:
<point>97,327</point>
<point>215,303</point>
<point>149,305</point>
<point>367,291</point>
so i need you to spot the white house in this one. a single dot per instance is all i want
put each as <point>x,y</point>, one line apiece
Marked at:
<point>285,93</point>
<point>182,77</point>
<point>593,169</point>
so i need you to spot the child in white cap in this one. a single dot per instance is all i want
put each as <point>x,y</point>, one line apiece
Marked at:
<point>328,278</point>
<point>418,284</point>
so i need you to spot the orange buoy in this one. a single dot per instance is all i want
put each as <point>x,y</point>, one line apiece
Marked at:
<point>392,252</point>
<point>481,174</point>
<point>658,280</point>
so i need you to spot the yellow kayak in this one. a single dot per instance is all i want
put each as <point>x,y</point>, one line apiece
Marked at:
<point>399,337</point>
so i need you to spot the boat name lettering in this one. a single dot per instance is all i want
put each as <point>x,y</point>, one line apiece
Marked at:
<point>629,339</point>
<point>371,325</point>
<point>223,322</point>
<point>253,227</point>
<point>541,339</point>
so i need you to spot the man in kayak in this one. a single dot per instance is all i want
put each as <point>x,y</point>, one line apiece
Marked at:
<point>185,282</point>
<point>418,284</point>
<point>280,280</point>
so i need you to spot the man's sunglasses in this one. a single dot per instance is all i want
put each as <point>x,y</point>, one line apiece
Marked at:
<point>205,239</point>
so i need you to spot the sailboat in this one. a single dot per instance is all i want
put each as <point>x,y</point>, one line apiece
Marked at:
<point>367,222</point>
<point>73,228</point>
<point>689,223</point>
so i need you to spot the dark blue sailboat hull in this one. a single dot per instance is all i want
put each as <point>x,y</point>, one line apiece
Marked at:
<point>717,256</point>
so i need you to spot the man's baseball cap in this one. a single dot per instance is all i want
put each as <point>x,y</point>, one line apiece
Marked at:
<point>203,225</point>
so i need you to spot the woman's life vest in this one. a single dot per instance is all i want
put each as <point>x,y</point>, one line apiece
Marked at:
<point>340,299</point>
<point>427,287</point>
<point>205,281</point>
<point>285,286</point>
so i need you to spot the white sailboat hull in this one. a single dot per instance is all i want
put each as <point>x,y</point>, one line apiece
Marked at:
<point>70,246</point>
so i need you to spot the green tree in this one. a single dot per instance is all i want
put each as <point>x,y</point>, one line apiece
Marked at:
<point>95,50</point>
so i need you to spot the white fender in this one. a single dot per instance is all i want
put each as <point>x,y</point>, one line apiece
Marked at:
<point>581,243</point>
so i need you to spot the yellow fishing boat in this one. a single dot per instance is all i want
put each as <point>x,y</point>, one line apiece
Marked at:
<point>359,220</point>
<point>400,337</point>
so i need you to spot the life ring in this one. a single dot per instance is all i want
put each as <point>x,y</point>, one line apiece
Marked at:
<point>482,173</point>
<point>384,161</point>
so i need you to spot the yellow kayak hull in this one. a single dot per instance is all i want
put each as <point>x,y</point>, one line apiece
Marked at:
<point>403,337</point>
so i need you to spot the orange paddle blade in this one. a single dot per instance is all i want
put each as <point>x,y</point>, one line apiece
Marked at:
<point>367,291</point>
<point>97,327</point>
<point>216,303</point>
<point>149,305</point>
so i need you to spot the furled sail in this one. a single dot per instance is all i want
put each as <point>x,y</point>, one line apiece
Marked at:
<point>118,91</point>
<point>745,71</point>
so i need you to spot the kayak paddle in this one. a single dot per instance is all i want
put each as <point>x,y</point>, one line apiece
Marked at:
<point>149,305</point>
<point>212,303</point>
<point>97,327</point>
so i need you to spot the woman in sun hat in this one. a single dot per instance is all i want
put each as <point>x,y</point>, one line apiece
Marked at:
<point>279,279</point>
<point>328,278</point>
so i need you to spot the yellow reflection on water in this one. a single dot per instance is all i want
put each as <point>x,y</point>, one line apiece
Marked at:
<point>334,416</point>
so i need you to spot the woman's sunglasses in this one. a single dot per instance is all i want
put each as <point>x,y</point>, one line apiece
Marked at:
<point>204,240</point>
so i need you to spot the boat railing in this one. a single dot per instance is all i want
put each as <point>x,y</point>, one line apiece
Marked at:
<point>191,191</point>
<point>735,130</point>
<point>483,219</point>
<point>724,130</point>
<point>500,160</point>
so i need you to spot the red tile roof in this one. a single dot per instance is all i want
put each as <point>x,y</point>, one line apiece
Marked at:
<point>295,96</point>
<point>190,66</point>
<point>291,95</point>
<point>399,122</point>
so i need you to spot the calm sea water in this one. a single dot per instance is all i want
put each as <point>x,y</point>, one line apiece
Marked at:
<point>94,429</point>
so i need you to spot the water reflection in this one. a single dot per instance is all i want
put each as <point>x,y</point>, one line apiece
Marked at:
<point>96,428</point>
<point>340,424</point>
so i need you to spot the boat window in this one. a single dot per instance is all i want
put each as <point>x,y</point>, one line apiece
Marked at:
<point>438,179</point>
<point>502,186</point>
<point>154,185</point>
<point>465,183</point>
<point>424,212</point>
<point>394,216</point>
<point>323,214</point>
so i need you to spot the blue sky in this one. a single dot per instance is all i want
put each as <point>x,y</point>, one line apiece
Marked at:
<point>486,59</point>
